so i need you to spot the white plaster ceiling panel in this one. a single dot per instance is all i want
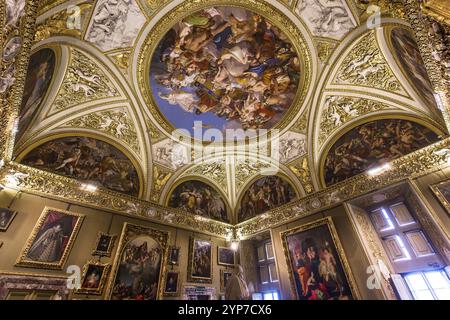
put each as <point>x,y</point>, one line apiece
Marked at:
<point>115,24</point>
<point>326,18</point>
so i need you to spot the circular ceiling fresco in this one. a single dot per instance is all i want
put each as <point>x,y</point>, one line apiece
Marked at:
<point>227,67</point>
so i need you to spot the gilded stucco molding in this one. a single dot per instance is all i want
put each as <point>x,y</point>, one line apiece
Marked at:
<point>364,65</point>
<point>39,182</point>
<point>116,123</point>
<point>18,31</point>
<point>214,170</point>
<point>84,82</point>
<point>416,164</point>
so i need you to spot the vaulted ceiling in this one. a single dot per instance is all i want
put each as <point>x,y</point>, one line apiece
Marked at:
<point>99,87</point>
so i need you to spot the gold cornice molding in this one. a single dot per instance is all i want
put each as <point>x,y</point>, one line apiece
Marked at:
<point>437,9</point>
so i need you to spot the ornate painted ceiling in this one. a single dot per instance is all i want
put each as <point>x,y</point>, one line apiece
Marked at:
<point>111,82</point>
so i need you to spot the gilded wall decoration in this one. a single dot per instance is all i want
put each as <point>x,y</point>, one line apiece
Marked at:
<point>330,19</point>
<point>86,159</point>
<point>68,22</point>
<point>324,50</point>
<point>199,198</point>
<point>115,24</point>
<point>214,170</point>
<point>84,81</point>
<point>338,110</point>
<point>116,123</point>
<point>393,8</point>
<point>246,168</point>
<point>160,178</point>
<point>153,132</point>
<point>301,124</point>
<point>365,65</point>
<point>290,146</point>
<point>170,154</point>
<point>265,194</point>
<point>438,9</point>
<point>37,82</point>
<point>122,59</point>
<point>227,67</point>
<point>373,144</point>
<point>301,170</point>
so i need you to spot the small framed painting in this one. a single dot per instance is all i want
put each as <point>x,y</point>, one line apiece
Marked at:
<point>224,277</point>
<point>225,256</point>
<point>200,261</point>
<point>94,278</point>
<point>51,240</point>
<point>171,283</point>
<point>104,245</point>
<point>6,217</point>
<point>442,192</point>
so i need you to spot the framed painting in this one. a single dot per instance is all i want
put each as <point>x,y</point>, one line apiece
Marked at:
<point>104,244</point>
<point>174,255</point>
<point>442,192</point>
<point>51,240</point>
<point>200,261</point>
<point>94,277</point>
<point>318,268</point>
<point>225,256</point>
<point>224,277</point>
<point>139,263</point>
<point>171,283</point>
<point>6,217</point>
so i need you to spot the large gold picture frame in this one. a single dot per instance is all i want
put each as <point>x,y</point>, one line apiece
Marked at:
<point>42,229</point>
<point>193,275</point>
<point>340,258</point>
<point>131,232</point>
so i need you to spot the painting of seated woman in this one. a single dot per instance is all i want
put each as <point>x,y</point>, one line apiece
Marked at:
<point>373,144</point>
<point>226,67</point>
<point>86,159</point>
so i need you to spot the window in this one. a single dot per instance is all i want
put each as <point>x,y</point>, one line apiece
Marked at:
<point>271,295</point>
<point>418,267</point>
<point>403,238</point>
<point>266,263</point>
<point>431,285</point>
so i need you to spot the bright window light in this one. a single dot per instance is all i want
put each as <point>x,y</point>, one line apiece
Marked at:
<point>388,220</point>
<point>272,295</point>
<point>431,285</point>
<point>402,246</point>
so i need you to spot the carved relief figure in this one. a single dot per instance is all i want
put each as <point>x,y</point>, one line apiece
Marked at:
<point>227,67</point>
<point>115,24</point>
<point>291,145</point>
<point>199,198</point>
<point>372,144</point>
<point>170,154</point>
<point>326,18</point>
<point>88,160</point>
<point>265,194</point>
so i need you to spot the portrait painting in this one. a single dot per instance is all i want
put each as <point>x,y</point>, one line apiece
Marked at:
<point>227,67</point>
<point>225,256</point>
<point>104,245</point>
<point>199,198</point>
<point>174,255</point>
<point>139,264</point>
<point>171,283</point>
<point>6,217</point>
<point>408,55</point>
<point>88,160</point>
<point>373,144</point>
<point>51,240</point>
<point>37,82</point>
<point>200,261</point>
<point>224,277</point>
<point>442,192</point>
<point>94,277</point>
<point>265,194</point>
<point>318,269</point>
